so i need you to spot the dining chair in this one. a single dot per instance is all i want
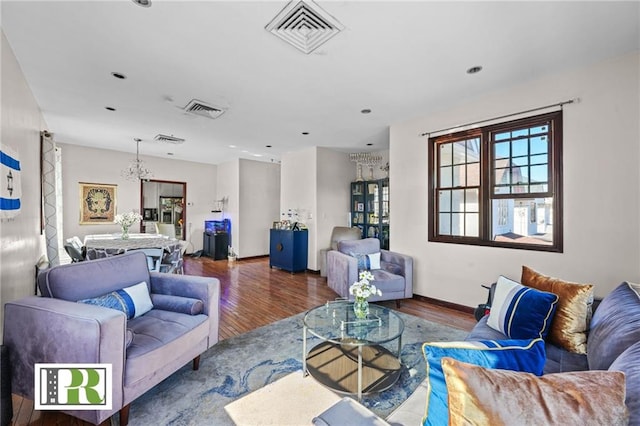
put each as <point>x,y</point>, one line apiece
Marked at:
<point>154,258</point>
<point>75,249</point>
<point>42,265</point>
<point>179,263</point>
<point>168,229</point>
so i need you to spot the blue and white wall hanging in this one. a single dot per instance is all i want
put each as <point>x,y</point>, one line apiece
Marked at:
<point>10,188</point>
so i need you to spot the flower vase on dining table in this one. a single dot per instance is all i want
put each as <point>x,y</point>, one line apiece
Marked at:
<point>125,221</point>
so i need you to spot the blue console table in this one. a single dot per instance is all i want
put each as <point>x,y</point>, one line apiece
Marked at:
<point>288,249</point>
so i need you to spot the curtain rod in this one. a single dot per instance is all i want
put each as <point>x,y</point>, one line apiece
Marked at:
<point>560,104</point>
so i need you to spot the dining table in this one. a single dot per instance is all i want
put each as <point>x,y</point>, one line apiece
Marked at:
<point>105,245</point>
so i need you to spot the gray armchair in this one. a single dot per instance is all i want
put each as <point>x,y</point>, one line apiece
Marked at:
<point>394,277</point>
<point>142,350</point>
<point>339,233</point>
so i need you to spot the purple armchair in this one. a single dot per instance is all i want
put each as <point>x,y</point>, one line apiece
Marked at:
<point>394,277</point>
<point>143,350</point>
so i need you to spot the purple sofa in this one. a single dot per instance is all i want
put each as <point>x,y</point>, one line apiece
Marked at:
<point>613,344</point>
<point>143,350</point>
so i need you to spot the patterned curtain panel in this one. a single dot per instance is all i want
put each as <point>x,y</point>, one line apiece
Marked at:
<point>50,195</point>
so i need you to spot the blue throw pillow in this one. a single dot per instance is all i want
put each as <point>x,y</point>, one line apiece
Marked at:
<point>367,261</point>
<point>521,312</point>
<point>133,301</point>
<point>517,355</point>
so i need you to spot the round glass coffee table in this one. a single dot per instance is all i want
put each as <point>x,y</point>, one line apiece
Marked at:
<point>351,358</point>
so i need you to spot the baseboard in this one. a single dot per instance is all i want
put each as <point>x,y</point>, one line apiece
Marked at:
<point>262,256</point>
<point>445,304</point>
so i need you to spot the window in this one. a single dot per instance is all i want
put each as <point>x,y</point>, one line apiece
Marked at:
<point>499,185</point>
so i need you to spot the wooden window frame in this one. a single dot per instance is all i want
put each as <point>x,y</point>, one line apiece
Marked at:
<point>554,190</point>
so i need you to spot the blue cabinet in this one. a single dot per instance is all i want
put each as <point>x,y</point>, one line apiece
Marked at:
<point>288,249</point>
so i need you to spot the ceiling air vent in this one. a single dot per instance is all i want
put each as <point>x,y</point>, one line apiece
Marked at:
<point>304,25</point>
<point>168,139</point>
<point>202,109</point>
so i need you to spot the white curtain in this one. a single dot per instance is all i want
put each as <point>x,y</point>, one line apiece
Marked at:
<point>51,198</point>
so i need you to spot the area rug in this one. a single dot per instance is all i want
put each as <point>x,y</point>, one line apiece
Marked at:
<point>242,364</point>
<point>291,401</point>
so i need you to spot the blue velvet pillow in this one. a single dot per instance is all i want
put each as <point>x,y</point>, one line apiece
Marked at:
<point>133,301</point>
<point>367,261</point>
<point>521,312</point>
<point>517,355</point>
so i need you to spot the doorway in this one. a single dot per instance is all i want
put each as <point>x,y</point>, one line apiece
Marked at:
<point>163,202</point>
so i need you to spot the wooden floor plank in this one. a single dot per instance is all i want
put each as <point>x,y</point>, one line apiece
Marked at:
<point>253,295</point>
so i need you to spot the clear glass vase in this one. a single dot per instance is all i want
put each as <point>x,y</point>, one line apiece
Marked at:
<point>125,232</point>
<point>361,308</point>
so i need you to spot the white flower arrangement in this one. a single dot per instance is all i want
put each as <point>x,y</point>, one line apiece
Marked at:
<point>127,219</point>
<point>363,289</point>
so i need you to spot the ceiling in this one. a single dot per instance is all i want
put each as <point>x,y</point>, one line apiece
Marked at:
<point>398,59</point>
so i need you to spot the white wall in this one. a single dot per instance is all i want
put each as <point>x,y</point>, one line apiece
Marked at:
<point>21,244</point>
<point>298,190</point>
<point>83,164</point>
<point>335,173</point>
<point>229,188</point>
<point>601,187</point>
<point>317,181</point>
<point>259,205</point>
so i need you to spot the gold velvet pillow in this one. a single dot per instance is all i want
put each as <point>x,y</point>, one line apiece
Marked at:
<point>573,313</point>
<point>482,396</point>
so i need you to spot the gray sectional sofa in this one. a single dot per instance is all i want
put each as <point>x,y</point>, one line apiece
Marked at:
<point>613,344</point>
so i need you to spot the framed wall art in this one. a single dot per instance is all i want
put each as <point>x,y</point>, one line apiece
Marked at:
<point>10,189</point>
<point>97,203</point>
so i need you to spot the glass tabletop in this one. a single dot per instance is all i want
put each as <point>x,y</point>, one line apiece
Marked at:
<point>336,322</point>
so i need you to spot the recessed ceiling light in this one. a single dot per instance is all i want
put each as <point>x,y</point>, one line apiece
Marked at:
<point>305,133</point>
<point>366,111</point>
<point>143,3</point>
<point>110,108</point>
<point>118,75</point>
<point>257,155</point>
<point>474,70</point>
<point>232,146</point>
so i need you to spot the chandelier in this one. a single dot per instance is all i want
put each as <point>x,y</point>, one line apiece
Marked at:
<point>366,159</point>
<point>136,169</point>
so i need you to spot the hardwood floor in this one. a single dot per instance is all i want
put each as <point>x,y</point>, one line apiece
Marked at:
<point>253,295</point>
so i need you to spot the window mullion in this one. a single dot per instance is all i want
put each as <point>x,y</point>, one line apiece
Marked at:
<point>486,183</point>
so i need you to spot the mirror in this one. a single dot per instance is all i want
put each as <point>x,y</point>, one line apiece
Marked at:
<point>163,202</point>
